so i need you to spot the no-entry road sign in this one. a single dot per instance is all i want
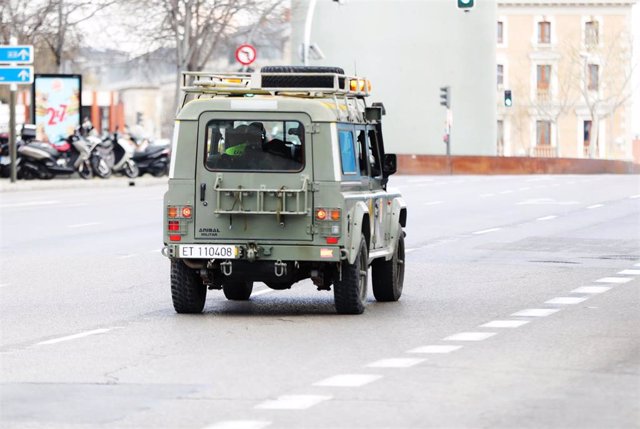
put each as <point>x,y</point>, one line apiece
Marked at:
<point>246,54</point>
<point>16,74</point>
<point>18,54</point>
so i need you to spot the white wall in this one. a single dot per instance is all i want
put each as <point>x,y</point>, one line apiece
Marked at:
<point>409,49</point>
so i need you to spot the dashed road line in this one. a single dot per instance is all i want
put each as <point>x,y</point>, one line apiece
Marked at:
<point>633,197</point>
<point>410,250</point>
<point>74,337</point>
<point>547,217</point>
<point>536,312</point>
<point>614,280</point>
<point>293,402</point>
<point>524,188</point>
<point>83,225</point>
<point>435,349</point>
<point>395,363</point>
<point>487,195</point>
<point>630,272</point>
<point>4,285</point>
<point>566,300</point>
<point>595,206</point>
<point>470,336</point>
<point>508,191</point>
<point>70,206</point>
<point>28,204</point>
<point>432,203</point>
<point>485,231</point>
<point>505,324</point>
<point>131,255</point>
<point>240,424</point>
<point>348,380</point>
<point>591,289</point>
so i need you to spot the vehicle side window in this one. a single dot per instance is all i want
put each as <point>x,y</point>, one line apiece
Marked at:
<point>347,152</point>
<point>362,153</point>
<point>374,154</point>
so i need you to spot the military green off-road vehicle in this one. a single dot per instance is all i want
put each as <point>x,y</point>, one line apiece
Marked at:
<point>280,176</point>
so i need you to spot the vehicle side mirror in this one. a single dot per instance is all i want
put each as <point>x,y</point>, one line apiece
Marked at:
<point>390,165</point>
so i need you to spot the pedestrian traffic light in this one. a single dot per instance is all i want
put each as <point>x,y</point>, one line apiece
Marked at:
<point>445,96</point>
<point>465,4</point>
<point>507,98</point>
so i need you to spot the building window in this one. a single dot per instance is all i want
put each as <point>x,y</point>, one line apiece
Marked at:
<point>500,72</point>
<point>592,81</point>
<point>586,139</point>
<point>500,32</point>
<point>543,78</point>
<point>543,133</point>
<point>592,33</point>
<point>544,32</point>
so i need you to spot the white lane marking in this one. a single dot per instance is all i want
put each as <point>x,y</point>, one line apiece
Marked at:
<point>293,402</point>
<point>630,272</point>
<point>261,292</point>
<point>485,231</point>
<point>69,206</point>
<point>536,312</point>
<point>435,349</point>
<point>410,250</point>
<point>547,217</point>
<point>240,424</point>
<point>508,191</point>
<point>524,188</point>
<point>470,336</point>
<point>555,185</point>
<point>505,324</point>
<point>595,206</point>
<point>633,197</point>
<point>29,204</point>
<point>128,256</point>
<point>395,363</point>
<point>591,289</point>
<point>486,195</point>
<point>348,380</point>
<point>74,336</point>
<point>156,250</point>
<point>566,300</point>
<point>432,203</point>
<point>82,225</point>
<point>4,285</point>
<point>616,280</point>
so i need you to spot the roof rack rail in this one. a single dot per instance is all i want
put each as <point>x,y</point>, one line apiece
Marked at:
<point>282,83</point>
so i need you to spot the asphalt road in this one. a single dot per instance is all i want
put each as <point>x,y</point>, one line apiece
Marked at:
<point>520,309</point>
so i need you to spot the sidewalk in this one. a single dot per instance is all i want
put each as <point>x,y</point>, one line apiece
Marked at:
<point>74,182</point>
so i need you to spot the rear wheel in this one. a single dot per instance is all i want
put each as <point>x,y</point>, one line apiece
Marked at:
<point>350,293</point>
<point>84,170</point>
<point>131,169</point>
<point>237,291</point>
<point>101,168</point>
<point>187,290</point>
<point>388,276</point>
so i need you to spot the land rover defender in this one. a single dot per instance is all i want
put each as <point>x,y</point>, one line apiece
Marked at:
<point>279,176</point>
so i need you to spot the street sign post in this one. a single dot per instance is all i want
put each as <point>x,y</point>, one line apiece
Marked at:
<point>246,54</point>
<point>16,74</point>
<point>22,54</point>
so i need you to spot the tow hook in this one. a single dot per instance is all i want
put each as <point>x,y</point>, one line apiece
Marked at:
<point>280,268</point>
<point>166,252</point>
<point>226,267</point>
<point>252,252</point>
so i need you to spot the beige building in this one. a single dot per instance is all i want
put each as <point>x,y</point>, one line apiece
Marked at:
<point>568,66</point>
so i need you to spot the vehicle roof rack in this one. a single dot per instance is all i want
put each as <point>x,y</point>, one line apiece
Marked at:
<point>299,84</point>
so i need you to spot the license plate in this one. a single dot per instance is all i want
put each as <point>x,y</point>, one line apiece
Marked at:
<point>208,251</point>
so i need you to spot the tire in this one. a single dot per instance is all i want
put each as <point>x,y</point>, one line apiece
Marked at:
<point>131,169</point>
<point>350,293</point>
<point>187,290</point>
<point>84,170</point>
<point>237,291</point>
<point>159,172</point>
<point>101,168</point>
<point>388,276</point>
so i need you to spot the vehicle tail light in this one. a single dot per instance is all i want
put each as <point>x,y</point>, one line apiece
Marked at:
<point>172,212</point>
<point>321,214</point>
<point>332,240</point>
<point>335,214</point>
<point>175,238</point>
<point>174,225</point>
<point>186,212</point>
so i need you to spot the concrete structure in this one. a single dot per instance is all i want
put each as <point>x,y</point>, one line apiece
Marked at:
<point>568,65</point>
<point>409,49</point>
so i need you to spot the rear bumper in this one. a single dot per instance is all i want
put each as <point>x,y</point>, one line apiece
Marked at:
<point>274,252</point>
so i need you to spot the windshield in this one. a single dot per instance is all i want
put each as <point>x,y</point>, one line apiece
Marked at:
<point>254,145</point>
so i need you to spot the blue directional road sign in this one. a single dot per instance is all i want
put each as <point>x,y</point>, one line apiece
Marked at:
<point>19,54</point>
<point>16,74</point>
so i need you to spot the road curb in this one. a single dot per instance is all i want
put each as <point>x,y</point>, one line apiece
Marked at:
<point>71,183</point>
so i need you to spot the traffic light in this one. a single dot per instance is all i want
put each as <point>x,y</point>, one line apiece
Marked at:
<point>445,96</point>
<point>508,101</point>
<point>465,4</point>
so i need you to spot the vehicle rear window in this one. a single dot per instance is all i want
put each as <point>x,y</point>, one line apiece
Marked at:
<point>347,152</point>
<point>255,145</point>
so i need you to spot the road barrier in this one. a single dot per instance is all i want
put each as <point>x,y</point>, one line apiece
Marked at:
<point>440,164</point>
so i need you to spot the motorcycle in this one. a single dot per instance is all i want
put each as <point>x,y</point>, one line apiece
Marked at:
<point>123,152</point>
<point>41,160</point>
<point>102,156</point>
<point>154,159</point>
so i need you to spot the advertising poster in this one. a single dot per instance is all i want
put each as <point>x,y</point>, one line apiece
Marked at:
<point>56,105</point>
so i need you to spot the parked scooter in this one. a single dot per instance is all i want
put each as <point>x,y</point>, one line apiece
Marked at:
<point>40,160</point>
<point>153,159</point>
<point>123,151</point>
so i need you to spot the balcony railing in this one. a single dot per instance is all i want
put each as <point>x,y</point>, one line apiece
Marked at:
<point>544,151</point>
